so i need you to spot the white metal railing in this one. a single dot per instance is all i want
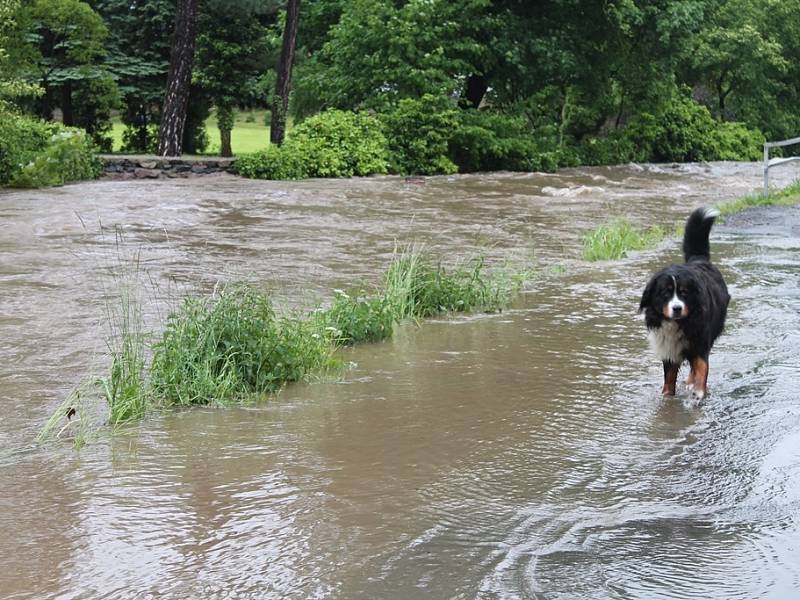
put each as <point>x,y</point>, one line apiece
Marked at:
<point>776,161</point>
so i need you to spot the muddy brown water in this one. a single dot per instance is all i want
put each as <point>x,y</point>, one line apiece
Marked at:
<point>520,455</point>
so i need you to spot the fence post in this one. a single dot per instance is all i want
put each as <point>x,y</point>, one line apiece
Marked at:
<point>766,169</point>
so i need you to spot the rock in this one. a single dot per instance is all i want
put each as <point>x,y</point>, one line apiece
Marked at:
<point>148,164</point>
<point>146,173</point>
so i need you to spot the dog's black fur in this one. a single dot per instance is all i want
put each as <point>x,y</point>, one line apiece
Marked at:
<point>685,307</point>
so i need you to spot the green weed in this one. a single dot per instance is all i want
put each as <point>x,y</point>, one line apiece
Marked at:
<point>614,240</point>
<point>232,345</point>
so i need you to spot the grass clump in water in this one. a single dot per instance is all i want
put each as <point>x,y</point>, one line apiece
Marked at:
<point>355,318</point>
<point>419,287</point>
<point>233,345</point>
<point>614,240</point>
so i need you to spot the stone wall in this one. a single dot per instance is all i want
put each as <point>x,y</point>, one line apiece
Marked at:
<point>157,167</point>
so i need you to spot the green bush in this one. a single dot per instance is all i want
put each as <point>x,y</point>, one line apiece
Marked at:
<point>21,139</point>
<point>735,141</point>
<point>334,143</point>
<point>272,163</point>
<point>684,131</point>
<point>491,141</point>
<point>418,131</point>
<point>140,139</point>
<point>69,156</point>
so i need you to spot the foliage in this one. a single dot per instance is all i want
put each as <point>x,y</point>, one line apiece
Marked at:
<point>684,131</point>
<point>94,100</point>
<point>418,131</point>
<point>331,144</point>
<point>60,44</point>
<point>138,48</point>
<point>380,51</point>
<point>355,317</point>
<point>492,141</point>
<point>12,85</point>
<point>137,139</point>
<point>21,139</point>
<point>69,156</point>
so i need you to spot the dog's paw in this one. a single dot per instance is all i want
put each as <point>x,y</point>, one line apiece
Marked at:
<point>698,393</point>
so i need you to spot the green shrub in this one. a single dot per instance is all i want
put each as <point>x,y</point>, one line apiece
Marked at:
<point>334,143</point>
<point>418,131</point>
<point>633,143</point>
<point>338,143</point>
<point>272,163</point>
<point>491,141</point>
<point>735,141</point>
<point>69,156</point>
<point>684,131</point>
<point>21,139</point>
<point>140,139</point>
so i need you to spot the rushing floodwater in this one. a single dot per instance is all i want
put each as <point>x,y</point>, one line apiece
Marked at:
<point>520,455</point>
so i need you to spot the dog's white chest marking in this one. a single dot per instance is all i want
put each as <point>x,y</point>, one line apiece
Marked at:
<point>668,341</point>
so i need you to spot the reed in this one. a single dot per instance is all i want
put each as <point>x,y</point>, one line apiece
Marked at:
<point>614,240</point>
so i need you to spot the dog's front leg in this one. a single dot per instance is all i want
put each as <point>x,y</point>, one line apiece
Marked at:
<point>670,377</point>
<point>700,370</point>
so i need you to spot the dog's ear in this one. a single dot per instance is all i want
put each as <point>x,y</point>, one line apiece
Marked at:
<point>647,295</point>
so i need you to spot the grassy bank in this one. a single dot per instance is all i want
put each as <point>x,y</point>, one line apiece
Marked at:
<point>613,240</point>
<point>234,346</point>
<point>785,197</point>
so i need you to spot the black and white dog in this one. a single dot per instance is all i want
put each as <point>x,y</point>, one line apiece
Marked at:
<point>684,307</point>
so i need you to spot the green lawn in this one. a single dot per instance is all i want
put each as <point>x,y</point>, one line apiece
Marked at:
<point>250,133</point>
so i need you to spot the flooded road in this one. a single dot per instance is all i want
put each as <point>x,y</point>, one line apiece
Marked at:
<point>521,455</point>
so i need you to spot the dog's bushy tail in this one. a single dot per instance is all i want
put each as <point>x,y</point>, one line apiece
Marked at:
<point>695,236</point>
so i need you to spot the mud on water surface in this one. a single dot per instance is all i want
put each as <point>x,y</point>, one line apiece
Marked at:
<point>520,455</point>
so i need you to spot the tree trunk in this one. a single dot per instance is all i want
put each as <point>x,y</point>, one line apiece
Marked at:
<point>173,117</point>
<point>476,89</point>
<point>280,100</point>
<point>67,114</point>
<point>225,125</point>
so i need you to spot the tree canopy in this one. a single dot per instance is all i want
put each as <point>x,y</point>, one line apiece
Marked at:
<point>576,72</point>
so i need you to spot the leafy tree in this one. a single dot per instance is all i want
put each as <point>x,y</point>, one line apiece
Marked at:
<point>11,84</point>
<point>378,53</point>
<point>231,52</point>
<point>62,42</point>
<point>734,57</point>
<point>138,49</point>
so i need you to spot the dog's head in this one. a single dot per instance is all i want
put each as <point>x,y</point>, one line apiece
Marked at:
<point>671,293</point>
